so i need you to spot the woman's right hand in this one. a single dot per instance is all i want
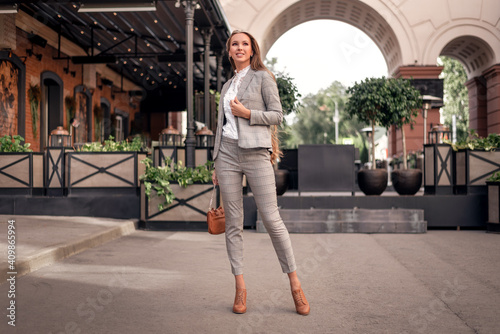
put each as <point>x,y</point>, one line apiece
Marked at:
<point>214,178</point>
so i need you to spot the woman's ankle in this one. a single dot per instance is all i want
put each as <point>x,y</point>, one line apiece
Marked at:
<point>240,282</point>
<point>294,281</point>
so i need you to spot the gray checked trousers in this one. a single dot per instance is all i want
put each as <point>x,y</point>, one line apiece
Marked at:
<point>231,163</point>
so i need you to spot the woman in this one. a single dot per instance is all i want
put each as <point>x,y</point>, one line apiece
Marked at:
<point>246,143</point>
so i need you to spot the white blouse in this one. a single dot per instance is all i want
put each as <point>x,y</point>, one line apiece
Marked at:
<point>229,129</point>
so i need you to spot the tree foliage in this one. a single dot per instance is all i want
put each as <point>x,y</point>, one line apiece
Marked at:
<point>288,91</point>
<point>456,99</point>
<point>385,102</point>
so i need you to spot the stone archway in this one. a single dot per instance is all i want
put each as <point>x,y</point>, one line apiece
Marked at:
<point>354,13</point>
<point>477,57</point>
<point>410,34</point>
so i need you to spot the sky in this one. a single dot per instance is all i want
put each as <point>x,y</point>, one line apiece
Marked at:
<point>319,52</point>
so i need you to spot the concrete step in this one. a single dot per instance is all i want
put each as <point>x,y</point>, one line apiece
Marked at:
<point>351,221</point>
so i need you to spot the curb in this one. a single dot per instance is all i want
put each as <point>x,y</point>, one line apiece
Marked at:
<point>49,255</point>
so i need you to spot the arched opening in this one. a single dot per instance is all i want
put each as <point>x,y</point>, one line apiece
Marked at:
<point>476,56</point>
<point>51,106</point>
<point>474,53</point>
<point>322,69</point>
<point>342,53</point>
<point>354,13</point>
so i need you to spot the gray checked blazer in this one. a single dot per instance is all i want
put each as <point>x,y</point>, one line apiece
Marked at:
<point>259,93</point>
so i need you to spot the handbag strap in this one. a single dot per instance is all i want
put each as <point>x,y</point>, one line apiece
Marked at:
<point>211,199</point>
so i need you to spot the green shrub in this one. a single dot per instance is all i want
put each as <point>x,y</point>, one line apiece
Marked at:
<point>111,145</point>
<point>474,142</point>
<point>13,144</point>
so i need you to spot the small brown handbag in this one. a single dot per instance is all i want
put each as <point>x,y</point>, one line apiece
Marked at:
<point>216,219</point>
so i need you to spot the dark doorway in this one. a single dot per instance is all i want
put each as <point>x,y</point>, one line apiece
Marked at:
<point>51,106</point>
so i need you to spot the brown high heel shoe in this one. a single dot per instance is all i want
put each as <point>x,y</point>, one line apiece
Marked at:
<point>301,304</point>
<point>240,301</point>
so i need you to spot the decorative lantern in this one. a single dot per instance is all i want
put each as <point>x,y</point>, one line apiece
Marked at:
<point>204,138</point>
<point>60,137</point>
<point>170,137</point>
<point>438,134</point>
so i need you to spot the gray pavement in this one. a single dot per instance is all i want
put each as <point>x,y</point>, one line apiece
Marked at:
<point>180,282</point>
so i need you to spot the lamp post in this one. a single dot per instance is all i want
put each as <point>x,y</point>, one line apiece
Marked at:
<point>426,107</point>
<point>190,142</point>
<point>429,102</point>
<point>336,121</point>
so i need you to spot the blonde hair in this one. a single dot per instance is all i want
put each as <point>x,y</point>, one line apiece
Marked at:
<point>257,64</point>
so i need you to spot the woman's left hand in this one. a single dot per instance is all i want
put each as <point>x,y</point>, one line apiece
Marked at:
<point>239,109</point>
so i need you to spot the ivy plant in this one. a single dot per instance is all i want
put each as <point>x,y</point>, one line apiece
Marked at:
<point>14,144</point>
<point>160,178</point>
<point>34,96</point>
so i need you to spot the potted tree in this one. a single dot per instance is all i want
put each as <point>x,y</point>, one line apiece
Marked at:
<point>403,101</point>
<point>289,97</point>
<point>367,102</point>
<point>386,102</point>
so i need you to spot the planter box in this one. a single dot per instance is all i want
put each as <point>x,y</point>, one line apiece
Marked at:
<point>176,153</point>
<point>110,172</point>
<point>21,173</point>
<point>493,223</point>
<point>438,169</point>
<point>187,212</point>
<point>472,168</point>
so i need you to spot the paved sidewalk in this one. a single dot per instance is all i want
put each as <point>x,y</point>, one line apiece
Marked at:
<point>43,240</point>
<point>180,282</point>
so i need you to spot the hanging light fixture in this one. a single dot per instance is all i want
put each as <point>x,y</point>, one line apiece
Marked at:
<point>148,6</point>
<point>8,9</point>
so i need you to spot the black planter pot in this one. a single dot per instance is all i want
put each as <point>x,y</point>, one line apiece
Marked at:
<point>406,182</point>
<point>281,176</point>
<point>372,181</point>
